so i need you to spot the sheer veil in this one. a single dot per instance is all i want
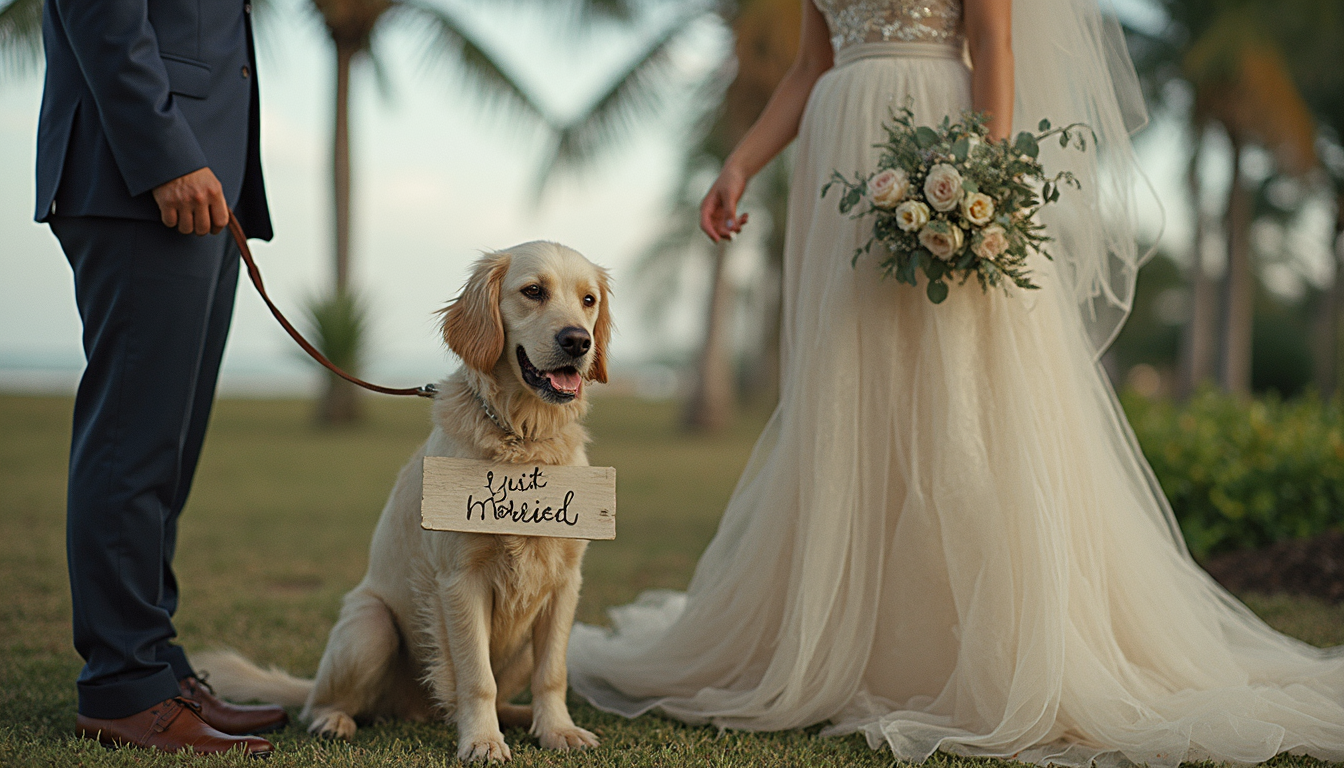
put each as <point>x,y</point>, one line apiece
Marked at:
<point>1071,65</point>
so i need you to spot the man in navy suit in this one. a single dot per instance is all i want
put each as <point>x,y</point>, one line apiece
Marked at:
<point>148,135</point>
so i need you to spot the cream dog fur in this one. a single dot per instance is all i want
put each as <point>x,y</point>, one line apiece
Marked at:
<point>455,625</point>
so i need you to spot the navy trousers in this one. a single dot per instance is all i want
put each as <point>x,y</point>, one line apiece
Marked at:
<point>156,306</point>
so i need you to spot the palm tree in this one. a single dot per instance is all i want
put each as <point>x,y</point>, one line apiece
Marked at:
<point>1231,54</point>
<point>1317,29</point>
<point>727,103</point>
<point>355,28</point>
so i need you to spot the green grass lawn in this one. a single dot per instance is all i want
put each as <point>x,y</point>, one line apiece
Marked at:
<point>278,529</point>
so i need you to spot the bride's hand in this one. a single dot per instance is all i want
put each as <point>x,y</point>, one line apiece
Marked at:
<point>718,211</point>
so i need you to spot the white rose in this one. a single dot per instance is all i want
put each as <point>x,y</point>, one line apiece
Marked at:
<point>978,208</point>
<point>889,187</point>
<point>942,187</point>
<point>912,215</point>
<point>942,239</point>
<point>991,242</point>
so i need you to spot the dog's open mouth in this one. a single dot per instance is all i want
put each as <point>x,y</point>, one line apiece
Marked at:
<point>560,385</point>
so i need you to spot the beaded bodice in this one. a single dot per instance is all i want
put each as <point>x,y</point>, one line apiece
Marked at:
<point>871,21</point>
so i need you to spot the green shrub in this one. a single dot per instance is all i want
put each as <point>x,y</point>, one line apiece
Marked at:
<point>1245,474</point>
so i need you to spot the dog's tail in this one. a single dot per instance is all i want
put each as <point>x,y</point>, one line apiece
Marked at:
<point>238,679</point>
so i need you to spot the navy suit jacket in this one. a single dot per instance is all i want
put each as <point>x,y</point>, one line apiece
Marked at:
<point>140,92</point>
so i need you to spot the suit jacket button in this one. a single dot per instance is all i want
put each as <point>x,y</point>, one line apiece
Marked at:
<point>246,72</point>
<point>247,7</point>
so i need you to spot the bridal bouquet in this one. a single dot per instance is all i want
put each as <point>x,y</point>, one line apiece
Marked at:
<point>951,202</point>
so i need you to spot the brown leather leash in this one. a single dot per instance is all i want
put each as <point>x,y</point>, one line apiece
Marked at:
<point>239,237</point>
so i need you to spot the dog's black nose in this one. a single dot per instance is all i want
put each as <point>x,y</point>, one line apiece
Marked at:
<point>574,340</point>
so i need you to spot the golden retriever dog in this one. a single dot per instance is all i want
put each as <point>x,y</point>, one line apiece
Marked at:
<point>455,625</point>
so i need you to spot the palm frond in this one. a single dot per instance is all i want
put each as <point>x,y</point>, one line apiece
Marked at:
<point>596,10</point>
<point>380,74</point>
<point>636,94</point>
<point>20,37</point>
<point>448,42</point>
<point>662,265</point>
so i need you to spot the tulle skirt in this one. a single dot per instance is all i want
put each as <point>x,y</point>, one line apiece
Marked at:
<point>946,536</point>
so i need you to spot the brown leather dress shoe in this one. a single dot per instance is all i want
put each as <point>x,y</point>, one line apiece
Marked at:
<point>173,725</point>
<point>236,719</point>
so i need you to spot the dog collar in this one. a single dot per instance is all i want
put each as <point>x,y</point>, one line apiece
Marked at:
<point>510,436</point>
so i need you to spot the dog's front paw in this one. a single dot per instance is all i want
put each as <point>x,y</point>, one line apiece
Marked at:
<point>572,737</point>
<point>333,725</point>
<point>481,749</point>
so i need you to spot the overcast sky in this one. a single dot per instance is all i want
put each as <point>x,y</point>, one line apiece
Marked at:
<point>437,181</point>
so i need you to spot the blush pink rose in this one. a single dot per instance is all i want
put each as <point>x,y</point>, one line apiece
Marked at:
<point>942,187</point>
<point>889,187</point>
<point>942,239</point>
<point>991,242</point>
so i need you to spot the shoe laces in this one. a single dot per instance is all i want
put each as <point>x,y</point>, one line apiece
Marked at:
<point>170,711</point>
<point>202,681</point>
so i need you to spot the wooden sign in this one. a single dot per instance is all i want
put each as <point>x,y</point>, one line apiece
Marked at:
<point>519,499</point>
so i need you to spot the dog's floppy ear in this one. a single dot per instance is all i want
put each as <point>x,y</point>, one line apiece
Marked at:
<point>601,330</point>
<point>472,325</point>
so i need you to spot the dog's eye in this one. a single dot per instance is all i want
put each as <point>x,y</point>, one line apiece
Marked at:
<point>534,291</point>
<point>589,300</point>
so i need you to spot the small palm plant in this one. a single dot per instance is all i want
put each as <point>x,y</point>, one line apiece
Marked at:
<point>338,325</point>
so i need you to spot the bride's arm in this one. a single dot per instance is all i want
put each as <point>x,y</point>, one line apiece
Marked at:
<point>771,132</point>
<point>989,35</point>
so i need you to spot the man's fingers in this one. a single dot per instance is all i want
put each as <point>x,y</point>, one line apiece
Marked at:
<point>200,215</point>
<point>219,213</point>
<point>185,225</point>
<point>168,215</point>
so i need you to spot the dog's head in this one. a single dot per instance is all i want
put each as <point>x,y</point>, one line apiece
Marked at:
<point>540,309</point>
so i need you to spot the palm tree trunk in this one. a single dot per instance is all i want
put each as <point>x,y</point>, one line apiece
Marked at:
<point>1239,304</point>
<point>1199,340</point>
<point>340,166</point>
<point>710,407</point>
<point>340,403</point>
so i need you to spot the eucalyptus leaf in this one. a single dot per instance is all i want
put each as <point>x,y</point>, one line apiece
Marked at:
<point>907,271</point>
<point>961,149</point>
<point>1043,126</point>
<point>937,291</point>
<point>1026,145</point>
<point>925,137</point>
<point>851,199</point>
<point>935,269</point>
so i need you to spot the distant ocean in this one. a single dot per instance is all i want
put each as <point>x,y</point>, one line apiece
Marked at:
<point>251,376</point>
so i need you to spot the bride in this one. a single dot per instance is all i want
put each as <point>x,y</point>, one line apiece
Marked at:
<point>946,537</point>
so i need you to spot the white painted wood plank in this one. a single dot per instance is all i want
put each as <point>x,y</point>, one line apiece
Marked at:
<point>519,499</point>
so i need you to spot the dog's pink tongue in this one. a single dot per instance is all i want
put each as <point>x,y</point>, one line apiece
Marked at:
<point>565,381</point>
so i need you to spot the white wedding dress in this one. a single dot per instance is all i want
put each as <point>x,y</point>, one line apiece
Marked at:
<point>946,536</point>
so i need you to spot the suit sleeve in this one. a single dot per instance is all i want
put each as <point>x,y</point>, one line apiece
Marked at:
<point>118,54</point>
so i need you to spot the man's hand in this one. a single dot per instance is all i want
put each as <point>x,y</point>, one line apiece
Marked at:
<point>193,203</point>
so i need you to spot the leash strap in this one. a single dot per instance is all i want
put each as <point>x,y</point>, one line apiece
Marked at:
<point>236,229</point>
